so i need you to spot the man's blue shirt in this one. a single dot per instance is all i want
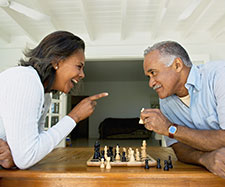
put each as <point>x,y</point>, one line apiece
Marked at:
<point>206,87</point>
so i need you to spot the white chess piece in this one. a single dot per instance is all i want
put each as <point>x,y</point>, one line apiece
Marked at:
<point>117,153</point>
<point>132,159</point>
<point>141,121</point>
<point>137,155</point>
<point>108,165</point>
<point>105,152</point>
<point>102,165</point>
<point>144,144</point>
<point>129,153</point>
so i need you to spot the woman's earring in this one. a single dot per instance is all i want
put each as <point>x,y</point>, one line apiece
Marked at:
<point>56,67</point>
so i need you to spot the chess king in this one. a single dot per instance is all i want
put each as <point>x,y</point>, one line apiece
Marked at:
<point>192,105</point>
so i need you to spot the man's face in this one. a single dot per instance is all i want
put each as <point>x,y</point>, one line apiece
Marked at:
<point>162,79</point>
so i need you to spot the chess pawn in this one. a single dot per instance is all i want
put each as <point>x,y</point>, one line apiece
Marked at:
<point>158,164</point>
<point>137,155</point>
<point>129,153</point>
<point>170,165</point>
<point>146,164</point>
<point>117,153</point>
<point>108,165</point>
<point>102,165</point>
<point>124,157</point>
<point>132,159</point>
<point>125,150</point>
<point>166,167</point>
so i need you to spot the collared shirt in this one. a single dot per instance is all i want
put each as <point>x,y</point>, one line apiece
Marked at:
<point>206,87</point>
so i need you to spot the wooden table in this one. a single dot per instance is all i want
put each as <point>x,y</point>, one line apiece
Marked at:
<point>67,167</point>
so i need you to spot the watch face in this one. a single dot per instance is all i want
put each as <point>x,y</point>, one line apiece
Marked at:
<point>172,129</point>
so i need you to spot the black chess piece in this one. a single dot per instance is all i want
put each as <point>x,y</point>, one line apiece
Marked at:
<point>158,164</point>
<point>111,150</point>
<point>146,164</point>
<point>96,150</point>
<point>166,167</point>
<point>170,164</point>
<point>124,159</point>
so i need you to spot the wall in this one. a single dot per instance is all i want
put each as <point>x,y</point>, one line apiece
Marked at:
<point>125,100</point>
<point>9,57</point>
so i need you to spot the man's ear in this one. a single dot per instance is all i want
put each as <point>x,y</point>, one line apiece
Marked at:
<point>178,64</point>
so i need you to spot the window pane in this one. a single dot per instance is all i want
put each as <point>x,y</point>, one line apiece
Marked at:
<point>55,95</point>
<point>55,108</point>
<point>55,119</point>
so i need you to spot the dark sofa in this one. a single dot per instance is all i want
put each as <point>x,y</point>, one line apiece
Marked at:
<point>122,128</point>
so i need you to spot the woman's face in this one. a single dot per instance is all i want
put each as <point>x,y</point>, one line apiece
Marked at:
<point>69,71</point>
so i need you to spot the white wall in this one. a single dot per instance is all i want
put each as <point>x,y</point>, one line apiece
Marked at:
<point>10,57</point>
<point>125,100</point>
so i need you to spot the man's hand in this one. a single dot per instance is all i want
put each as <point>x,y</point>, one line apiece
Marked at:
<point>156,121</point>
<point>215,161</point>
<point>6,159</point>
<point>85,108</point>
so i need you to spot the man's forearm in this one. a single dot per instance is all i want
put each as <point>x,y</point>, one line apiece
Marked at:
<point>204,140</point>
<point>187,154</point>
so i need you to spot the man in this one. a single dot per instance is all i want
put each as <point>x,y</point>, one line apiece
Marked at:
<point>192,105</point>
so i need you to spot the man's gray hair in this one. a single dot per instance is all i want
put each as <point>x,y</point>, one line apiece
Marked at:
<point>170,49</point>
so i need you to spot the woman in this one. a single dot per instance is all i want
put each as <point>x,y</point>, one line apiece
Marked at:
<point>56,64</point>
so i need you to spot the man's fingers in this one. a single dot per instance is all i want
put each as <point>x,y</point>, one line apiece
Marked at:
<point>98,96</point>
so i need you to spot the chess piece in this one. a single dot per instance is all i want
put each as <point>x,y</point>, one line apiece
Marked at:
<point>158,164</point>
<point>96,150</point>
<point>170,165</point>
<point>117,153</point>
<point>137,155</point>
<point>146,164</point>
<point>102,165</point>
<point>144,144</point>
<point>132,159</point>
<point>111,151</point>
<point>124,157</point>
<point>143,150</point>
<point>105,151</point>
<point>125,150</point>
<point>129,153</point>
<point>108,165</point>
<point>166,167</point>
<point>141,121</point>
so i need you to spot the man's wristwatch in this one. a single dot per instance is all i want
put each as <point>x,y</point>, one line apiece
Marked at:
<point>172,130</point>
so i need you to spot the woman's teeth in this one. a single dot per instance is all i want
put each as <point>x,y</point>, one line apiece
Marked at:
<point>75,81</point>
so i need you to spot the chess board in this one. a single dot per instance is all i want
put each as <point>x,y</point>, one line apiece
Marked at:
<point>97,162</point>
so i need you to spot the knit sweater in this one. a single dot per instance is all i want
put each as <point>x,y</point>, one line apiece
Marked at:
<point>23,108</point>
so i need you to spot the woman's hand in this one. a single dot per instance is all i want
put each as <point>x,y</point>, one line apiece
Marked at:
<point>6,159</point>
<point>86,107</point>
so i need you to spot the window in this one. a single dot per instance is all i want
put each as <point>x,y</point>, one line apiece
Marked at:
<point>57,109</point>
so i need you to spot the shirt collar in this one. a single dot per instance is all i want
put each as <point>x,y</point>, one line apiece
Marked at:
<point>194,78</point>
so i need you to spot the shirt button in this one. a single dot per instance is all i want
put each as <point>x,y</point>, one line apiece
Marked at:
<point>194,91</point>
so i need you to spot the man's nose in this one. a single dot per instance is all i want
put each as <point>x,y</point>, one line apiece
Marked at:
<point>151,82</point>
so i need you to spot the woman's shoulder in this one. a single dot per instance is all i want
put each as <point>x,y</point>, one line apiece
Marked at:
<point>21,75</point>
<point>20,72</point>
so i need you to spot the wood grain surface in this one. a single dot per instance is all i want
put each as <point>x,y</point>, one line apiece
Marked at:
<point>67,167</point>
